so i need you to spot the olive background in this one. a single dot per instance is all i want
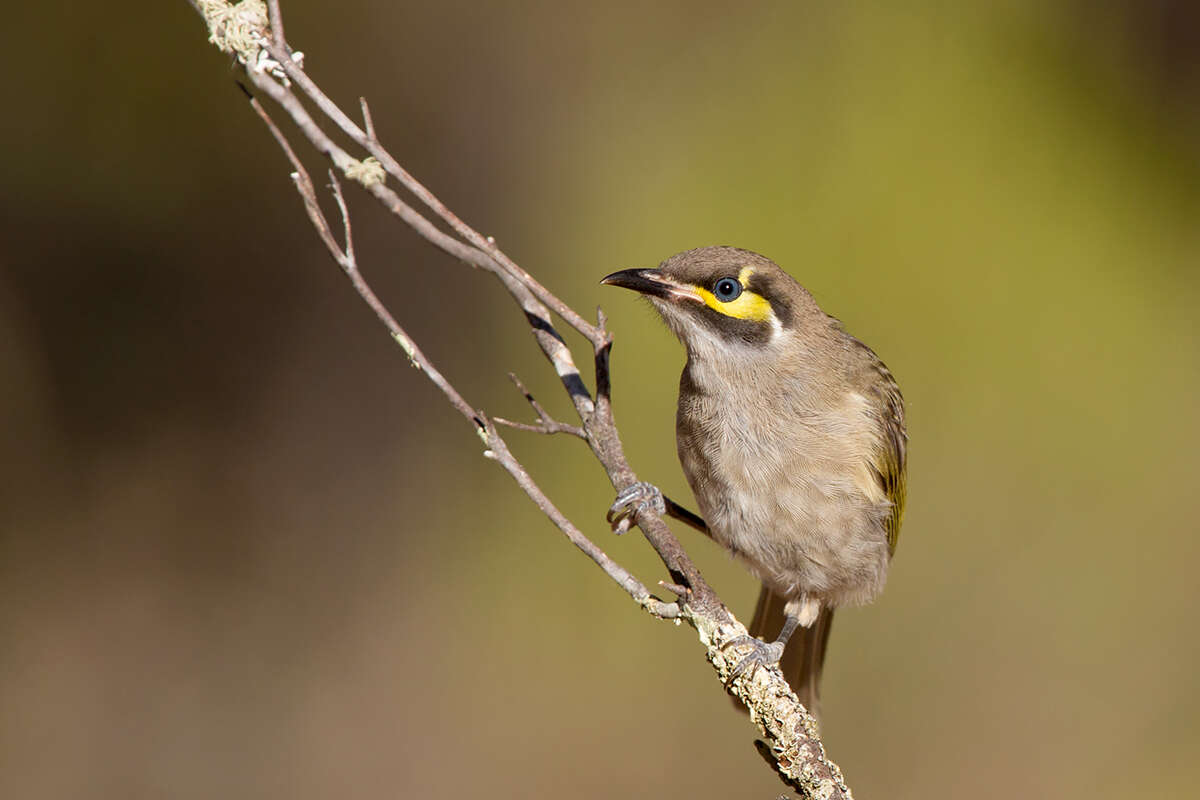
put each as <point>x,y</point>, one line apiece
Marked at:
<point>247,551</point>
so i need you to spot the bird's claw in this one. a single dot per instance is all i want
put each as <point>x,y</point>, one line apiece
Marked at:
<point>763,654</point>
<point>631,501</point>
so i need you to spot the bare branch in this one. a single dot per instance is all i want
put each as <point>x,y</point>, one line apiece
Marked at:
<point>485,244</point>
<point>497,448</point>
<point>367,122</point>
<point>546,423</point>
<point>341,204</point>
<point>792,743</point>
<point>276,23</point>
<point>547,427</point>
<point>682,592</point>
<point>536,313</point>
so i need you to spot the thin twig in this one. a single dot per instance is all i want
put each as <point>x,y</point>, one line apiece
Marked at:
<point>483,243</point>
<point>546,423</point>
<point>367,122</point>
<point>548,427</point>
<point>682,592</point>
<point>276,21</point>
<point>341,203</point>
<point>536,313</point>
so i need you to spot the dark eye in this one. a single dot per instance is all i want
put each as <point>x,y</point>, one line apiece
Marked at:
<point>727,289</point>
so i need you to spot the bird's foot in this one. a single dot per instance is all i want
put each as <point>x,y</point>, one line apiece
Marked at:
<point>763,654</point>
<point>631,501</point>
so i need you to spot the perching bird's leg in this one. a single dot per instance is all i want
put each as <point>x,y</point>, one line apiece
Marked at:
<point>766,654</point>
<point>797,613</point>
<point>633,500</point>
<point>683,515</point>
<point>642,494</point>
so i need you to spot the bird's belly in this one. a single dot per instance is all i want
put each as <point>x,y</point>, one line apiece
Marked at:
<point>800,521</point>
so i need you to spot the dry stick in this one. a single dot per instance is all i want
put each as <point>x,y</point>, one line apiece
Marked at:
<point>793,746</point>
<point>367,122</point>
<point>497,448</point>
<point>282,54</point>
<point>537,314</point>
<point>276,24</point>
<point>601,428</point>
<point>546,423</point>
<point>596,415</point>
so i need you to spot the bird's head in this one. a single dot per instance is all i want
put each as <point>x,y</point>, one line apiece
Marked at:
<point>724,298</point>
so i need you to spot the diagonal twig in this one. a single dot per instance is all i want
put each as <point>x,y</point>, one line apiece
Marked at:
<point>545,423</point>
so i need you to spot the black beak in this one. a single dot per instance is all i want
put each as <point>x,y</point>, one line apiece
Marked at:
<point>650,282</point>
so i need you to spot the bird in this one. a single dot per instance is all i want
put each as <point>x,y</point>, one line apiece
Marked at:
<point>791,435</point>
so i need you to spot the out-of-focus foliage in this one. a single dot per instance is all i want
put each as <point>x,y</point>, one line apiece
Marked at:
<point>247,552</point>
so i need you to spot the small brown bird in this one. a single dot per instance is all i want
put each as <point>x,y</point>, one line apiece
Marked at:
<point>791,434</point>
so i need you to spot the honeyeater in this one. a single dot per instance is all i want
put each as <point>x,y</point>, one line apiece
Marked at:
<point>791,435</point>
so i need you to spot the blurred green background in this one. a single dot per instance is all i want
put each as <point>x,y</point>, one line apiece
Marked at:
<point>245,551</point>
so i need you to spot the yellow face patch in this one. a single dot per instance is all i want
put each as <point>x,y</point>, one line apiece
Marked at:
<point>747,305</point>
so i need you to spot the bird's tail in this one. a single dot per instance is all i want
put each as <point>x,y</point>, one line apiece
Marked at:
<point>804,655</point>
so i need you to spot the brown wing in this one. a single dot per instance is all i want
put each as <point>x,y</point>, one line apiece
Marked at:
<point>891,464</point>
